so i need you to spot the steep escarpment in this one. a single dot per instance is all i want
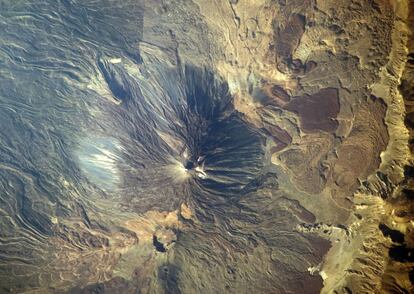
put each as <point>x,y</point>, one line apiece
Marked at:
<point>397,227</point>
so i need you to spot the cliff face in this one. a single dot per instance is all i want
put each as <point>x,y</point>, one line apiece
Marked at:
<point>206,146</point>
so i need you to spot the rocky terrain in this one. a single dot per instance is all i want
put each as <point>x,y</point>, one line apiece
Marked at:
<point>226,146</point>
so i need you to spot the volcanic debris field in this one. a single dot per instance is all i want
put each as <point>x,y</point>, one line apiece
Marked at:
<point>194,146</point>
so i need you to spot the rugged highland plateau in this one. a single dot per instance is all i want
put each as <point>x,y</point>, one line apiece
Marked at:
<point>206,146</point>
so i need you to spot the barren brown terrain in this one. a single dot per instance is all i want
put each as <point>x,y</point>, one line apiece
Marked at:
<point>224,146</point>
